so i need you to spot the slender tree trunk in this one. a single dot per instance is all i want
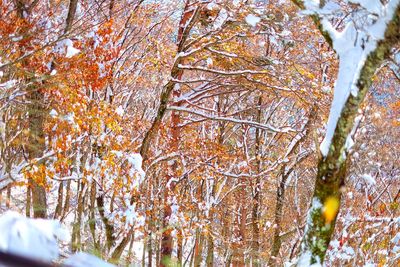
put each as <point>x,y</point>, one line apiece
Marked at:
<point>8,199</point>
<point>157,245</point>
<point>257,195</point>
<point>131,247</point>
<point>71,15</point>
<point>108,225</point>
<point>198,249</point>
<point>28,201</point>
<point>67,200</point>
<point>167,239</point>
<point>60,200</point>
<point>240,245</point>
<point>280,198</point>
<point>149,249</point>
<point>210,249</point>
<point>76,228</point>
<point>116,255</point>
<point>60,212</point>
<point>210,239</point>
<point>92,218</point>
<point>186,23</point>
<point>179,253</point>
<point>36,147</point>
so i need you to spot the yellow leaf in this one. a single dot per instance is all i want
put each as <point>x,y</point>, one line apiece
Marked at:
<point>331,208</point>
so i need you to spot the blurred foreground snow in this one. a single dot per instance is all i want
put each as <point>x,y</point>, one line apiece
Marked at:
<point>38,239</point>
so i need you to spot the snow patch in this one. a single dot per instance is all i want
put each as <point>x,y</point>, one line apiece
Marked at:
<point>368,179</point>
<point>33,238</point>
<point>82,259</point>
<point>252,20</point>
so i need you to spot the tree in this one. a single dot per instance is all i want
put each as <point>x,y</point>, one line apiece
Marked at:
<point>371,48</point>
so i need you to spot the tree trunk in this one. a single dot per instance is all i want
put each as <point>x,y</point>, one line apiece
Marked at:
<point>332,168</point>
<point>256,210</point>
<point>67,200</point>
<point>107,224</point>
<point>116,255</point>
<point>179,253</point>
<point>167,239</point>
<point>186,23</point>
<point>8,199</point>
<point>280,198</point>
<point>59,207</point>
<point>240,244</point>
<point>76,228</point>
<point>149,249</point>
<point>36,148</point>
<point>28,201</point>
<point>71,15</point>
<point>198,249</point>
<point>92,217</point>
<point>210,249</point>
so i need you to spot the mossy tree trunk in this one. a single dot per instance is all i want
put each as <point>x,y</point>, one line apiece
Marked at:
<point>332,168</point>
<point>36,115</point>
<point>36,148</point>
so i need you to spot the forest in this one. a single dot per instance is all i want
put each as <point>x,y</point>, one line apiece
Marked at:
<point>200,133</point>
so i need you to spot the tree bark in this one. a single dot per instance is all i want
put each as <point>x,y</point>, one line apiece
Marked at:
<point>280,198</point>
<point>36,147</point>
<point>92,217</point>
<point>59,207</point>
<point>116,255</point>
<point>257,195</point>
<point>71,15</point>
<point>167,239</point>
<point>198,249</point>
<point>331,171</point>
<point>76,228</point>
<point>67,200</point>
<point>185,25</point>
<point>28,201</point>
<point>108,225</point>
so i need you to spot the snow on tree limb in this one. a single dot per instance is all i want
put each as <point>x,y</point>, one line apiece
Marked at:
<point>233,120</point>
<point>353,45</point>
<point>361,46</point>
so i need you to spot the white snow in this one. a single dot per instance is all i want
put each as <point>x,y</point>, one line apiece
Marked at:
<point>120,111</point>
<point>209,62</point>
<point>352,45</point>
<point>305,261</point>
<point>72,51</point>
<point>211,6</point>
<point>8,84</point>
<point>53,113</point>
<point>372,6</point>
<point>38,239</point>
<point>69,46</point>
<point>82,259</point>
<point>136,161</point>
<point>34,238</point>
<point>252,20</point>
<point>368,179</point>
<point>16,39</point>
<point>221,19</point>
